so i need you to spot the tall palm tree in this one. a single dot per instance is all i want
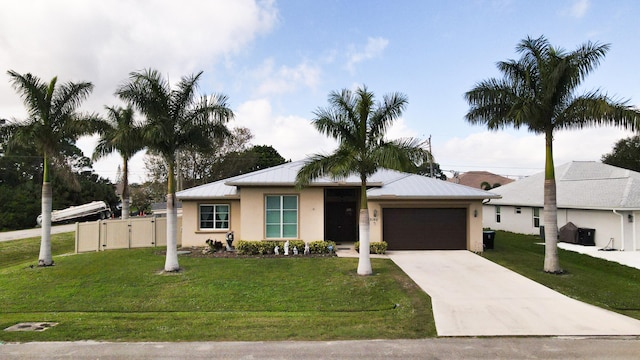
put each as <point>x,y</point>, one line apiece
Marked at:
<point>359,124</point>
<point>176,119</point>
<point>538,91</point>
<point>119,132</point>
<point>53,124</point>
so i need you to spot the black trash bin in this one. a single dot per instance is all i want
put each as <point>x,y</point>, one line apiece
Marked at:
<point>487,239</point>
<point>587,237</point>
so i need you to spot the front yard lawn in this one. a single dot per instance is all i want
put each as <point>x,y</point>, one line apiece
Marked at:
<point>119,295</point>
<point>596,281</point>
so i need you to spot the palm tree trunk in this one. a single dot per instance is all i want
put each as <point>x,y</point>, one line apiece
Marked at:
<point>551,261</point>
<point>364,259</point>
<point>125,190</point>
<point>45,259</point>
<point>171,261</point>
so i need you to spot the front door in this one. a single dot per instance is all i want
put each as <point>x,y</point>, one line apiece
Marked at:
<point>341,215</point>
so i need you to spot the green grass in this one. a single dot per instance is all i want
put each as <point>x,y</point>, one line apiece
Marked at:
<point>20,251</point>
<point>596,281</point>
<point>120,296</point>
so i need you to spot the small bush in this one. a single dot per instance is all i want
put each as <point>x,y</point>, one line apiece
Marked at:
<point>244,247</point>
<point>376,247</point>
<point>322,247</point>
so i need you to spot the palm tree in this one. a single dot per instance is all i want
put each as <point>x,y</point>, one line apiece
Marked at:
<point>538,91</point>
<point>120,133</point>
<point>176,119</point>
<point>359,125</point>
<point>52,125</point>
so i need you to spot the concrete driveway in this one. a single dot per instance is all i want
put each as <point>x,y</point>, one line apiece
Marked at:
<point>27,233</point>
<point>473,296</point>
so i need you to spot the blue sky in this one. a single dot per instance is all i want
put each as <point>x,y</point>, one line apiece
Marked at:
<point>278,60</point>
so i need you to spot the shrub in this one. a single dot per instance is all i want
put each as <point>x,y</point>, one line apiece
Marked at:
<point>322,247</point>
<point>244,247</point>
<point>376,247</point>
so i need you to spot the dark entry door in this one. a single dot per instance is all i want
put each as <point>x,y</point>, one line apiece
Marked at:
<point>340,215</point>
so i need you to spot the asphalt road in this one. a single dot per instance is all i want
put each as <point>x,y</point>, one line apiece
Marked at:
<point>28,233</point>
<point>440,348</point>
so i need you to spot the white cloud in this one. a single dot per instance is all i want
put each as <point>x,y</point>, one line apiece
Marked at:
<point>399,129</point>
<point>103,41</point>
<point>292,136</point>
<point>373,48</point>
<point>521,153</point>
<point>285,79</point>
<point>579,8</point>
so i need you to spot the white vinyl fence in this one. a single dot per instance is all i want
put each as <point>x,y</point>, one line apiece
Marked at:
<point>134,232</point>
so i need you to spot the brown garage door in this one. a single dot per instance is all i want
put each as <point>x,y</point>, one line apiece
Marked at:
<point>425,229</point>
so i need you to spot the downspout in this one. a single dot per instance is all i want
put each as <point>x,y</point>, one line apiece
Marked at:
<point>621,228</point>
<point>635,243</point>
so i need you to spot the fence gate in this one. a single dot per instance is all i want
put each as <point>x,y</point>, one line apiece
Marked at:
<point>135,232</point>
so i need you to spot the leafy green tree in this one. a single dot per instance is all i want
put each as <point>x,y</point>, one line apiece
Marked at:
<point>359,124</point>
<point>255,158</point>
<point>201,166</point>
<point>538,92</point>
<point>120,133</point>
<point>21,174</point>
<point>176,119</point>
<point>53,123</point>
<point>143,195</point>
<point>625,154</point>
<point>424,169</point>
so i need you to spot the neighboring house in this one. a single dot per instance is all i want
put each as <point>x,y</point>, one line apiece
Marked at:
<point>476,179</point>
<point>160,208</point>
<point>590,194</point>
<point>407,211</point>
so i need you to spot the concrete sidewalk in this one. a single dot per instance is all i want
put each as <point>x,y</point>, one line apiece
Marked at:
<point>629,258</point>
<point>473,296</point>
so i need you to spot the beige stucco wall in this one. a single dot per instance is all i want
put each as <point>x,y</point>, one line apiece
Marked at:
<point>474,223</point>
<point>193,236</point>
<point>310,216</point>
<point>310,212</point>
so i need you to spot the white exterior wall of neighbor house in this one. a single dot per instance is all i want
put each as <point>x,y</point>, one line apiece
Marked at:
<point>607,224</point>
<point>193,236</point>
<point>474,223</point>
<point>510,219</point>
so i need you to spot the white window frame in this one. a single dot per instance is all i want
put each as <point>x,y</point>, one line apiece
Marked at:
<point>536,217</point>
<point>215,212</point>
<point>281,216</point>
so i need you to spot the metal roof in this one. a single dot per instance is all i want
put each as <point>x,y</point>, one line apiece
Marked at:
<point>383,184</point>
<point>212,190</point>
<point>579,185</point>
<point>417,186</point>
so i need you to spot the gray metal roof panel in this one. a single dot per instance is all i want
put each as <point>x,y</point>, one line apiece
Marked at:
<point>383,183</point>
<point>285,174</point>
<point>417,186</point>
<point>216,189</point>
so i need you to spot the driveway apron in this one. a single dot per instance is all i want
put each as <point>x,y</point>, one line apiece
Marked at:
<point>473,296</point>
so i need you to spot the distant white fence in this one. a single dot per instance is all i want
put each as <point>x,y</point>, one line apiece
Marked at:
<point>136,232</point>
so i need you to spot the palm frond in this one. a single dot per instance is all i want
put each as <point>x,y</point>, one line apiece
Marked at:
<point>597,109</point>
<point>33,92</point>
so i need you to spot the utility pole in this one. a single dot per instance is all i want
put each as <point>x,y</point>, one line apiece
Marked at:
<point>430,158</point>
